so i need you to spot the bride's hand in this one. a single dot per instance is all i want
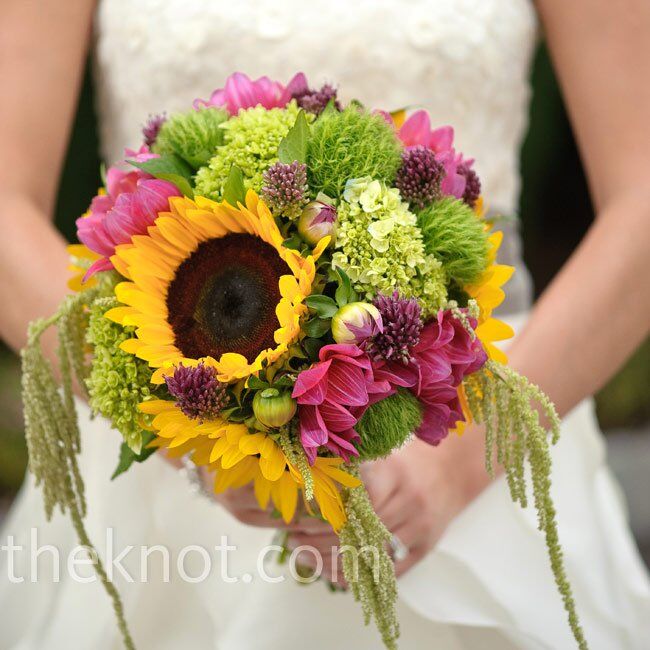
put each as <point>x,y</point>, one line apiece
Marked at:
<point>418,490</point>
<point>242,504</point>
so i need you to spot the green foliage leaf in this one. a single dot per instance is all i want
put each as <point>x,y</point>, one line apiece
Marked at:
<point>324,306</point>
<point>234,191</point>
<point>169,167</point>
<point>284,381</point>
<point>344,293</point>
<point>294,242</point>
<point>256,383</point>
<point>294,145</point>
<point>312,347</point>
<point>317,327</point>
<point>235,414</point>
<point>128,456</point>
<point>328,110</point>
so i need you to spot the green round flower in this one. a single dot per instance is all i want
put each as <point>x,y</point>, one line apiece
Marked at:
<point>457,237</point>
<point>350,144</point>
<point>251,141</point>
<point>388,424</point>
<point>193,135</point>
<point>379,245</point>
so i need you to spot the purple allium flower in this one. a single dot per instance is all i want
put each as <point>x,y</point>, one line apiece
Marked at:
<point>285,188</point>
<point>402,324</point>
<point>419,177</point>
<point>198,392</point>
<point>152,128</point>
<point>315,101</point>
<point>472,183</point>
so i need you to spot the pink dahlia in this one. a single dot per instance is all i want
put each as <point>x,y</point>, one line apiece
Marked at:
<point>241,91</point>
<point>130,205</point>
<point>444,355</point>
<point>332,395</point>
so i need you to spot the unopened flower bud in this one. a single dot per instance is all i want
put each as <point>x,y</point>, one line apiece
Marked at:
<point>317,220</point>
<point>356,322</point>
<point>274,408</point>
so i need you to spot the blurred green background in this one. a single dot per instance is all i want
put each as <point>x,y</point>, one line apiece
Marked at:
<point>555,211</point>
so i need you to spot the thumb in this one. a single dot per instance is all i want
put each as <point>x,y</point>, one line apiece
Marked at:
<point>379,481</point>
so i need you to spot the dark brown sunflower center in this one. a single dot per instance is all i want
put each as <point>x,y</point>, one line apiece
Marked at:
<point>223,298</point>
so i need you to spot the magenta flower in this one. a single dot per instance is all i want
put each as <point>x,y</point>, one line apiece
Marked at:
<point>442,358</point>
<point>131,204</point>
<point>141,155</point>
<point>241,91</point>
<point>446,336</point>
<point>332,395</point>
<point>417,130</point>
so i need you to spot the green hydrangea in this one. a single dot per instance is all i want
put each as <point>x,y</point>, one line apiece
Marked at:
<point>251,141</point>
<point>194,135</point>
<point>380,247</point>
<point>118,381</point>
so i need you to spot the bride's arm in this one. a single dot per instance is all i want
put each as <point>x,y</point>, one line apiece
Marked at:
<point>42,49</point>
<point>597,310</point>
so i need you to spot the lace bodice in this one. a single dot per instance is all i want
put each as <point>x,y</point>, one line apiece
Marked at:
<point>466,61</point>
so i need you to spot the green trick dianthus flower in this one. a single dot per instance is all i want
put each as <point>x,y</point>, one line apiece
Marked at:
<point>118,381</point>
<point>251,141</point>
<point>457,237</point>
<point>193,135</point>
<point>353,143</point>
<point>388,424</point>
<point>380,247</point>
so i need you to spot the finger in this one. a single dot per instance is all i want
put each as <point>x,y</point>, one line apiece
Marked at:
<point>310,525</point>
<point>380,484</point>
<point>412,532</point>
<point>397,511</point>
<point>243,497</point>
<point>315,539</point>
<point>325,566</point>
<point>415,555</point>
<point>175,462</point>
<point>258,518</point>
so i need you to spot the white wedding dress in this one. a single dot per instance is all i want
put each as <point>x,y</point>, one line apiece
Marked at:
<point>487,585</point>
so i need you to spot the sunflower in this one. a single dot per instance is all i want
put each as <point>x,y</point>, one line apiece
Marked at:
<point>489,295</point>
<point>238,457</point>
<point>212,283</point>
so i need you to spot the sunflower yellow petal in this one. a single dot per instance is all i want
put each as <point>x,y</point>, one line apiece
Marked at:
<point>155,406</point>
<point>273,464</point>
<point>262,489</point>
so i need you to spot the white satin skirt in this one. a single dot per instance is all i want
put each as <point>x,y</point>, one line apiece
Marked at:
<point>487,585</point>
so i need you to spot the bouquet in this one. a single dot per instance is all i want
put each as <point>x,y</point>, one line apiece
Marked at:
<point>278,287</point>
